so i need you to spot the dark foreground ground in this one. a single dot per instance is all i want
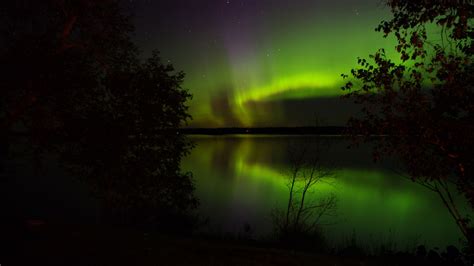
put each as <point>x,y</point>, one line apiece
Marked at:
<point>41,244</point>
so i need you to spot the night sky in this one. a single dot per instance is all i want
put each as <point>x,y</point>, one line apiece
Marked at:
<point>257,63</point>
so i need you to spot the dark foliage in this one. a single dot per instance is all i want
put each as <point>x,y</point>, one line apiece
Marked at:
<point>74,86</point>
<point>424,103</point>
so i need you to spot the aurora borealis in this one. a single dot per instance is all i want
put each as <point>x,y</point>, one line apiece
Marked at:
<point>262,63</point>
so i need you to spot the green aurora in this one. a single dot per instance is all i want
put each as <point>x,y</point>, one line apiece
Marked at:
<point>244,60</point>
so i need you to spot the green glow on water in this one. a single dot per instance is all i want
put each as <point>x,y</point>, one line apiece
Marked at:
<point>241,179</point>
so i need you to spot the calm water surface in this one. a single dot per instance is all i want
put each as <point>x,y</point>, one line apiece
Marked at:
<point>240,179</point>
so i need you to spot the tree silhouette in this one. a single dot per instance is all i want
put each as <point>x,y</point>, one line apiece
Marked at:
<point>425,103</point>
<point>299,224</point>
<point>75,86</point>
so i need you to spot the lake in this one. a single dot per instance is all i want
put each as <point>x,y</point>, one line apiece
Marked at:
<point>240,179</point>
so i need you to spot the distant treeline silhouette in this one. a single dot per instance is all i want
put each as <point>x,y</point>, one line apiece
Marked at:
<point>327,130</point>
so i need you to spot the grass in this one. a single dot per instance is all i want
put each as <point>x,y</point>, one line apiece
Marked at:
<point>46,244</point>
<point>94,245</point>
